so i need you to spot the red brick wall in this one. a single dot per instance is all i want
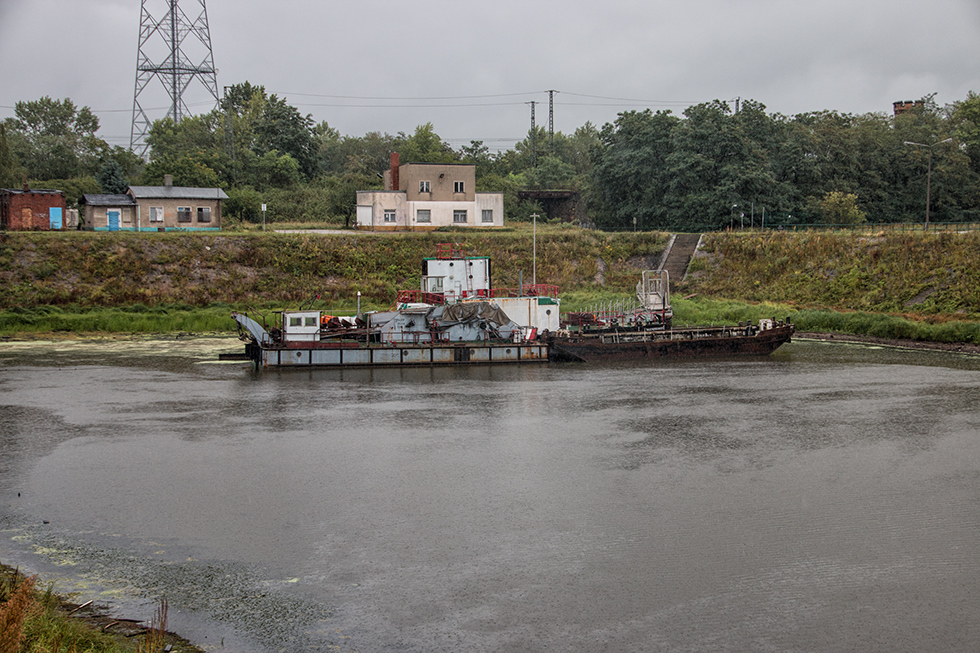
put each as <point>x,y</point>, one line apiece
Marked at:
<point>21,211</point>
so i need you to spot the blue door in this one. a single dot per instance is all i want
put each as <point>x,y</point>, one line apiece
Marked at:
<point>54,215</point>
<point>113,218</point>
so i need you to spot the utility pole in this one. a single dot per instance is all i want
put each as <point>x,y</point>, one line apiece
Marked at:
<point>230,132</point>
<point>534,134</point>
<point>551,121</point>
<point>534,253</point>
<point>166,46</point>
<point>928,171</point>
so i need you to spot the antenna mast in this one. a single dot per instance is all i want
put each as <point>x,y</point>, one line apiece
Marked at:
<point>171,41</point>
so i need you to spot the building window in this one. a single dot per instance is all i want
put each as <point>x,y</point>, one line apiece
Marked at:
<point>423,215</point>
<point>183,214</point>
<point>389,216</point>
<point>204,214</point>
<point>156,214</point>
<point>424,187</point>
<point>458,187</point>
<point>487,215</point>
<point>459,217</point>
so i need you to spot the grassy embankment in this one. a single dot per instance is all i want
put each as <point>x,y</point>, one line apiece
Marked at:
<point>36,621</point>
<point>910,285</point>
<point>903,285</point>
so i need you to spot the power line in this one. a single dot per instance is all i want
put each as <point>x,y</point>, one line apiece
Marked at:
<point>376,97</point>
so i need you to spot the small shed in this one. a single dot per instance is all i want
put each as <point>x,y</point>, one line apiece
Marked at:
<point>110,212</point>
<point>26,209</point>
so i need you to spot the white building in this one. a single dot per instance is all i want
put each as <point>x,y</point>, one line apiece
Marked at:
<point>424,196</point>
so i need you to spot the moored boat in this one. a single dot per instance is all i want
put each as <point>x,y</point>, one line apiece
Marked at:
<point>646,344</point>
<point>458,318</point>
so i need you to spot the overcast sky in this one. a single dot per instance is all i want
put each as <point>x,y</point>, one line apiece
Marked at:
<point>470,68</point>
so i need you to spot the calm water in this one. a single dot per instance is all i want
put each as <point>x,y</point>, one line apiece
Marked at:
<point>826,498</point>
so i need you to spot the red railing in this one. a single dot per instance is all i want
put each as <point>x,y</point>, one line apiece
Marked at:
<point>420,297</point>
<point>530,290</point>
<point>450,250</point>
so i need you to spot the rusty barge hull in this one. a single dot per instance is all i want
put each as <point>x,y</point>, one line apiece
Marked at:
<point>397,355</point>
<point>690,343</point>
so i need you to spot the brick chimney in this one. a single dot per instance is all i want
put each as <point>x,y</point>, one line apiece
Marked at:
<point>26,187</point>
<point>394,171</point>
<point>168,180</point>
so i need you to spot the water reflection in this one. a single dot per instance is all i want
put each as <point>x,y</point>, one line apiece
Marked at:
<point>819,499</point>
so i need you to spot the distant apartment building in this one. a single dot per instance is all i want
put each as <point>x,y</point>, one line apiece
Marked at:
<point>425,196</point>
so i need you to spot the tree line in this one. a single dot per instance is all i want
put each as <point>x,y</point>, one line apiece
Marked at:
<point>712,167</point>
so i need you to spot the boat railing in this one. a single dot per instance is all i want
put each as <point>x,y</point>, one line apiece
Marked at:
<point>527,290</point>
<point>697,333</point>
<point>420,297</point>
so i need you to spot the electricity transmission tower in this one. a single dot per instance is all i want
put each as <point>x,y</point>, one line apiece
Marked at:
<point>176,49</point>
<point>534,135</point>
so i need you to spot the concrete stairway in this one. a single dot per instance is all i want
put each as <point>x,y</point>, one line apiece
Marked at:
<point>680,256</point>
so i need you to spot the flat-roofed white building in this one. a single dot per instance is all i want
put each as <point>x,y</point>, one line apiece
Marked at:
<point>424,196</point>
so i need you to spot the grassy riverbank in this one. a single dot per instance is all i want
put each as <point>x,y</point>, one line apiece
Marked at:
<point>916,286</point>
<point>38,620</point>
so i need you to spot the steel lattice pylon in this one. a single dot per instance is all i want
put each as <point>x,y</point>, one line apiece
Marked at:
<point>174,38</point>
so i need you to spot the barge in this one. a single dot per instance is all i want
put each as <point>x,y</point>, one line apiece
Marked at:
<point>701,342</point>
<point>460,334</point>
<point>457,317</point>
<point>642,330</point>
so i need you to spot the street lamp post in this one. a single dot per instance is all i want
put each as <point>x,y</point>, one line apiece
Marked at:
<point>928,171</point>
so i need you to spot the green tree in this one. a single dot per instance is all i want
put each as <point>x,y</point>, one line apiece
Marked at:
<point>631,174</point>
<point>10,171</point>
<point>425,146</point>
<point>329,153</point>
<point>55,139</point>
<point>276,170</point>
<point>111,178</point>
<point>551,173</point>
<point>369,154</point>
<point>479,155</point>
<point>194,169</point>
<point>715,165</point>
<point>282,128</point>
<point>244,203</point>
<point>841,209</point>
<point>966,125</point>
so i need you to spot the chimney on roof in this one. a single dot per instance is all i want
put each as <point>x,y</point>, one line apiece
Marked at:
<point>26,187</point>
<point>168,180</point>
<point>394,171</point>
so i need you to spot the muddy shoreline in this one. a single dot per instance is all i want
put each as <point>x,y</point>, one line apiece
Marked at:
<point>100,617</point>
<point>953,347</point>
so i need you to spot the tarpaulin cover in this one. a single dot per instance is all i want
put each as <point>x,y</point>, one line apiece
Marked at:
<point>469,312</point>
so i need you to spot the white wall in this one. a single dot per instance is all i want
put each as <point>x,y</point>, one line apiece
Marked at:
<point>371,206</point>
